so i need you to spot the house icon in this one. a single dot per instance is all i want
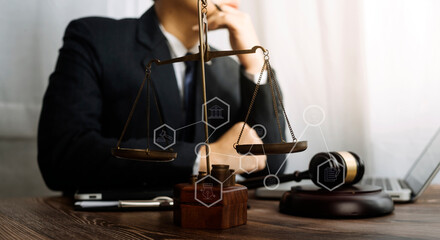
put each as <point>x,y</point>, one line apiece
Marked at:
<point>215,112</point>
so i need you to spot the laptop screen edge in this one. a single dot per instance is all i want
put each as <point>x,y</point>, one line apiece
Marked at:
<point>416,194</point>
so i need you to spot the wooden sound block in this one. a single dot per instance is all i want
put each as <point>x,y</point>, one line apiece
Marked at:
<point>358,201</point>
<point>212,212</point>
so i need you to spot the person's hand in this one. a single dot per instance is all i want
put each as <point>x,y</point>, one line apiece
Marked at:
<point>223,152</point>
<point>241,32</point>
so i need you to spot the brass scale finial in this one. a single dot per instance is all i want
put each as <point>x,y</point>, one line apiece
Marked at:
<point>205,55</point>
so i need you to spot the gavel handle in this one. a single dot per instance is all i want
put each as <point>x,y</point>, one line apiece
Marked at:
<point>257,182</point>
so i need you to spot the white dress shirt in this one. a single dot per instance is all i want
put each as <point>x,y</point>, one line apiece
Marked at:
<point>177,49</point>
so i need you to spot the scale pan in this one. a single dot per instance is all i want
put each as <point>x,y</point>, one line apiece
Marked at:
<point>144,154</point>
<point>271,148</point>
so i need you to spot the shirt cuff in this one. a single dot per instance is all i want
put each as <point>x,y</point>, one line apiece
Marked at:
<point>196,165</point>
<point>254,77</point>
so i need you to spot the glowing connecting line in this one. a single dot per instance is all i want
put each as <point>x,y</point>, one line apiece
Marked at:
<point>331,174</point>
<point>219,116</point>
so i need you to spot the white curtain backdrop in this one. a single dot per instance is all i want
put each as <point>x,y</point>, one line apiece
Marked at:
<point>372,66</point>
<point>30,36</point>
<point>31,33</point>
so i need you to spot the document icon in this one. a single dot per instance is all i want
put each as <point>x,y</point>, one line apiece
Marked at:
<point>331,174</point>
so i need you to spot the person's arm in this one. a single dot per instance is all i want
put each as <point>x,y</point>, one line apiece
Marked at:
<point>263,113</point>
<point>242,35</point>
<point>72,149</point>
<point>222,151</point>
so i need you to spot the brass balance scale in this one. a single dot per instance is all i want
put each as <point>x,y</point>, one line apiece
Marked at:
<point>204,56</point>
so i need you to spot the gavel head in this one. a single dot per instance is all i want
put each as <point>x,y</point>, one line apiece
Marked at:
<point>330,164</point>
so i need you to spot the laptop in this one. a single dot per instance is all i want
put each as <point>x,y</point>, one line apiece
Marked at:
<point>408,189</point>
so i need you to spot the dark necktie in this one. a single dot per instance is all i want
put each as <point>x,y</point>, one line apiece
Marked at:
<point>189,98</point>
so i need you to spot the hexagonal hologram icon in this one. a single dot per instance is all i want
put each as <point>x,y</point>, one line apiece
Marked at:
<point>218,112</point>
<point>251,160</point>
<point>208,191</point>
<point>331,174</point>
<point>164,136</point>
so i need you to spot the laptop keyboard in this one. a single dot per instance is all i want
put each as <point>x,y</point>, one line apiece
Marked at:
<point>384,183</point>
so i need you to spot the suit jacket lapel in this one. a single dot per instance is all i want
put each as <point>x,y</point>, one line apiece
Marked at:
<point>163,77</point>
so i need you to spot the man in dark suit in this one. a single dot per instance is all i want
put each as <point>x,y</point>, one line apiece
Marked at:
<point>98,73</point>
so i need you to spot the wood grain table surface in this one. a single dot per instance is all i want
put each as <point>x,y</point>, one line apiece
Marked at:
<point>54,218</point>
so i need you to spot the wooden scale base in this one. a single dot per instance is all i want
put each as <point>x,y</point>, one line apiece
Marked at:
<point>231,211</point>
<point>211,201</point>
<point>359,201</point>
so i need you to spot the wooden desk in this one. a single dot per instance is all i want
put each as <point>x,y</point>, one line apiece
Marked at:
<point>54,218</point>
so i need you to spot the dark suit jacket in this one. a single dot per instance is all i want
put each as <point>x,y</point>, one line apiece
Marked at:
<point>98,73</point>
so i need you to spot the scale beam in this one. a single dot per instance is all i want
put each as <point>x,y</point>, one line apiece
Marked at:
<point>209,55</point>
<point>205,55</point>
